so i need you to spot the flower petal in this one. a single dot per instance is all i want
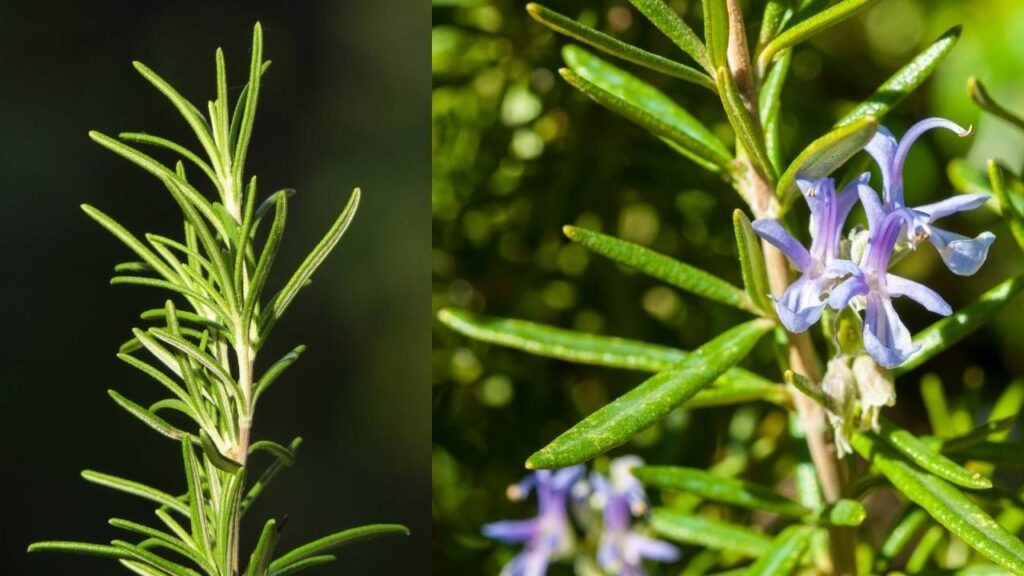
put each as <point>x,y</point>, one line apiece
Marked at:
<point>923,295</point>
<point>775,234</point>
<point>882,148</point>
<point>886,339</point>
<point>962,255</point>
<point>801,304</point>
<point>958,203</point>
<point>637,546</point>
<point>841,295</point>
<point>848,197</point>
<point>915,131</point>
<point>872,205</point>
<point>564,478</point>
<point>530,562</point>
<point>512,531</point>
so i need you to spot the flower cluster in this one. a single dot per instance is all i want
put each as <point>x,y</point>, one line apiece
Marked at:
<point>550,536</point>
<point>830,277</point>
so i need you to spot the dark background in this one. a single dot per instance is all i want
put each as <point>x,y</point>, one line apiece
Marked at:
<point>344,105</point>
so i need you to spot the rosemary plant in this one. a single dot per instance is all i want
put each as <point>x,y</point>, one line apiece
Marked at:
<point>204,344</point>
<point>840,343</point>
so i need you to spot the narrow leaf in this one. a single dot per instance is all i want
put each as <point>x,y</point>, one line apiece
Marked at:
<point>645,105</point>
<point>826,154</point>
<point>807,387</point>
<point>982,98</point>
<point>900,534</point>
<point>267,477</point>
<point>148,418</point>
<point>617,48</point>
<point>949,330</point>
<point>812,26</point>
<point>904,81</point>
<point>259,562</point>
<point>748,131</point>
<point>782,558</point>
<point>338,539</point>
<point>252,93</point>
<point>945,503</point>
<point>770,107</point>
<point>710,486</point>
<point>82,548</point>
<point>642,406</point>
<point>716,32</point>
<point>280,452</point>
<point>709,533</point>
<point>311,562</point>
<point>276,370</point>
<point>669,270</point>
<point>136,489</point>
<point>276,308</point>
<point>999,177</point>
<point>672,25</point>
<point>755,275</point>
<point>918,452</point>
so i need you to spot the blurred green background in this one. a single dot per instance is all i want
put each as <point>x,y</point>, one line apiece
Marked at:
<point>517,153</point>
<point>345,104</point>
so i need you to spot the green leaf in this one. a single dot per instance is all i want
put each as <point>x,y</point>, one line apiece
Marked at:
<point>826,154</point>
<point>924,549</point>
<point>582,348</point>
<point>770,106</point>
<point>945,503</point>
<point>918,452</point>
<point>136,489</point>
<point>645,105</point>
<point>617,48</point>
<point>222,462</point>
<point>129,240</point>
<point>755,275</point>
<point>806,387</point>
<point>999,177</point>
<point>748,131</point>
<point>949,330</point>
<point>259,562</point>
<point>276,370</point>
<point>900,534</point>
<point>716,32</point>
<point>1003,454</point>
<point>311,562</point>
<point>143,138</point>
<point>280,452</point>
<point>669,270</point>
<point>150,559</point>
<point>982,98</point>
<point>642,406</point>
<point>904,81</point>
<point>82,548</point>
<point>844,512</point>
<point>935,404</point>
<point>782,558</point>
<point>812,26</point>
<point>739,393</point>
<point>252,93</point>
<point>710,486</point>
<point>776,13</point>
<point>266,261</point>
<point>276,308</point>
<point>997,429</point>
<point>268,476</point>
<point>148,418</point>
<point>709,533</point>
<point>197,506</point>
<point>966,178</point>
<point>318,547</point>
<point>672,25</point>
<point>182,548</point>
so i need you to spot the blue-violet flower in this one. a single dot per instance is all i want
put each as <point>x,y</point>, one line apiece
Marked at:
<point>549,535</point>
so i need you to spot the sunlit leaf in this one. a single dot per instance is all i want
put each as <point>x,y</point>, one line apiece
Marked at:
<point>1001,182</point>
<point>672,25</point>
<point>945,503</point>
<point>709,533</point>
<point>336,540</point>
<point>918,452</point>
<point>981,96</point>
<point>752,266</point>
<point>826,154</point>
<point>617,48</point>
<point>669,270</point>
<point>905,81</point>
<point>710,486</point>
<point>949,330</point>
<point>645,105</point>
<point>620,420</point>
<point>783,556</point>
<point>748,131</point>
<point>810,27</point>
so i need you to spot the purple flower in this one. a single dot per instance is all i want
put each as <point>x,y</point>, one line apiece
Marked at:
<point>886,339</point>
<point>621,550</point>
<point>803,301</point>
<point>547,536</point>
<point>962,255</point>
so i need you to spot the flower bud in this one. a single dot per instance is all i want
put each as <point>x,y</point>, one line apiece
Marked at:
<point>876,389</point>
<point>841,398</point>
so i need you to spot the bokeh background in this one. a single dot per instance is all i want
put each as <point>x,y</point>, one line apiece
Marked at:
<point>517,153</point>
<point>345,104</point>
